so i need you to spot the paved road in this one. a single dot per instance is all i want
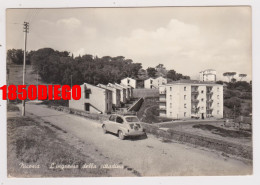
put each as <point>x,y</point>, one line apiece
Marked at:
<point>149,156</point>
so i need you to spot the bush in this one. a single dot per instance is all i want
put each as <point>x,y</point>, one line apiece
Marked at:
<point>246,95</point>
<point>233,102</point>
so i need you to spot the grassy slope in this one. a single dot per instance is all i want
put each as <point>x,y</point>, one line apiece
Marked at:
<point>31,143</point>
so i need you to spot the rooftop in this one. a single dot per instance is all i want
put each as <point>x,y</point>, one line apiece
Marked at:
<point>197,82</point>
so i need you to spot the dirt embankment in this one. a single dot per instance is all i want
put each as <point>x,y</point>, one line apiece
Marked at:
<point>35,149</point>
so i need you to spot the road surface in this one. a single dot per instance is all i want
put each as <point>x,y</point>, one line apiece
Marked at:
<point>147,157</point>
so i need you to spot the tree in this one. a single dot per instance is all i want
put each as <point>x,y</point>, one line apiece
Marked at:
<point>151,71</point>
<point>233,80</point>
<point>229,75</point>
<point>172,75</point>
<point>242,76</point>
<point>15,56</point>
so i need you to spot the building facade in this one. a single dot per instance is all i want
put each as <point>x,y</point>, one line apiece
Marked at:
<point>209,75</point>
<point>152,83</point>
<point>115,94</point>
<point>93,99</point>
<point>191,99</point>
<point>129,82</point>
<point>122,91</point>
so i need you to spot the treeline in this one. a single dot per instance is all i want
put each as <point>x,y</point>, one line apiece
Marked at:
<point>61,68</point>
<point>15,56</point>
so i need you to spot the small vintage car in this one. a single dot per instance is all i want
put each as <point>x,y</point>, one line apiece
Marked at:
<point>123,126</point>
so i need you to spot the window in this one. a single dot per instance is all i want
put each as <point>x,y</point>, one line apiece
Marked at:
<point>184,97</point>
<point>170,113</point>
<point>170,105</point>
<point>119,120</point>
<point>170,97</point>
<point>170,88</point>
<point>112,118</point>
<point>218,112</point>
<point>218,96</point>
<point>218,89</point>
<point>185,106</point>
<point>151,81</point>
<point>202,99</point>
<point>128,81</point>
<point>184,114</point>
<point>202,92</point>
<point>86,106</point>
<point>202,108</point>
<point>184,88</point>
<point>87,94</point>
<point>218,104</point>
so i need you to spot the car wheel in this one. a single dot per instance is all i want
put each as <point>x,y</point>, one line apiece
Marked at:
<point>104,129</point>
<point>121,135</point>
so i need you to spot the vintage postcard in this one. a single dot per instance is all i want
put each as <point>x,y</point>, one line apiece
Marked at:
<point>129,92</point>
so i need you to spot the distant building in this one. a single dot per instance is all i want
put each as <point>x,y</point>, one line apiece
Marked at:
<point>129,82</point>
<point>122,91</point>
<point>209,75</point>
<point>93,99</point>
<point>115,94</point>
<point>151,83</point>
<point>186,99</point>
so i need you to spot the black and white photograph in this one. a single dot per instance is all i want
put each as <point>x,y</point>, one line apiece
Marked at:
<point>164,91</point>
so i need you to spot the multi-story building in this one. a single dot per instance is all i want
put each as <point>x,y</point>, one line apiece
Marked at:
<point>209,75</point>
<point>122,91</point>
<point>115,94</point>
<point>129,82</point>
<point>188,99</point>
<point>93,99</point>
<point>152,83</point>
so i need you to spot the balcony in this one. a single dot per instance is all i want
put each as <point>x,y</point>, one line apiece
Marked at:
<point>162,92</point>
<point>194,101</point>
<point>195,92</point>
<point>209,101</point>
<point>195,110</point>
<point>162,100</point>
<point>162,108</point>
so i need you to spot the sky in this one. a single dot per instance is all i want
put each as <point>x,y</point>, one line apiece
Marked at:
<point>186,39</point>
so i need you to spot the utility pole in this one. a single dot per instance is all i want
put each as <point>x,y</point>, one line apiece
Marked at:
<point>71,81</point>
<point>25,30</point>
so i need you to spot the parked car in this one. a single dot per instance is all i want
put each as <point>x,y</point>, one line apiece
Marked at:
<point>123,126</point>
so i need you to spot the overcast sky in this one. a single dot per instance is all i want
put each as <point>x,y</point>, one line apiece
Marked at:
<point>186,39</point>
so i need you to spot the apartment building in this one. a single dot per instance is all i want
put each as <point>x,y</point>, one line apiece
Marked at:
<point>152,83</point>
<point>189,99</point>
<point>122,91</point>
<point>115,94</point>
<point>209,75</point>
<point>129,82</point>
<point>93,99</point>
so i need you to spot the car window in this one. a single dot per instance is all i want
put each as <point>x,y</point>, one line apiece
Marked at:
<point>112,118</point>
<point>132,119</point>
<point>119,119</point>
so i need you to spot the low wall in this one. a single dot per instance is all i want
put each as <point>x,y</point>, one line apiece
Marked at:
<point>100,117</point>
<point>219,145</point>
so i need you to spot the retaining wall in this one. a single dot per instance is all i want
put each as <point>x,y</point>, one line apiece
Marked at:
<point>100,117</point>
<point>219,145</point>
